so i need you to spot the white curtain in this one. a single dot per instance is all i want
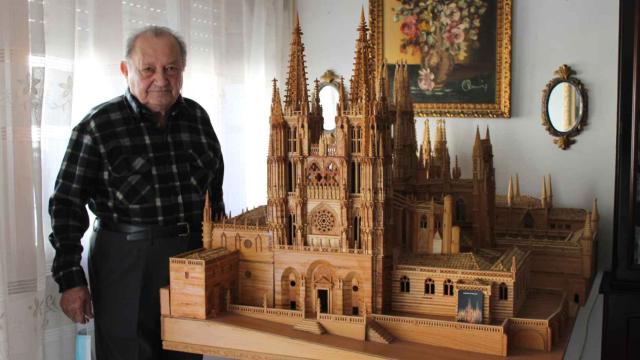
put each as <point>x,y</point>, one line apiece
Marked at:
<point>59,58</point>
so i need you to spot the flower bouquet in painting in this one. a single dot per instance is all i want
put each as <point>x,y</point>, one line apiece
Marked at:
<point>444,32</point>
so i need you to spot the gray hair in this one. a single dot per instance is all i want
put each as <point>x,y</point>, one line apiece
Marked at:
<point>156,31</point>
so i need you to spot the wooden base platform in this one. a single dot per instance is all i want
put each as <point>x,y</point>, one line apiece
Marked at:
<point>237,336</point>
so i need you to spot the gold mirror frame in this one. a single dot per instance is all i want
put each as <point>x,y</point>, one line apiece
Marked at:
<point>329,79</point>
<point>564,139</point>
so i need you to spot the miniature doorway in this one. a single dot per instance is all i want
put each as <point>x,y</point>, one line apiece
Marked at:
<point>528,221</point>
<point>290,289</point>
<point>351,295</point>
<point>323,280</point>
<point>293,291</point>
<point>323,297</point>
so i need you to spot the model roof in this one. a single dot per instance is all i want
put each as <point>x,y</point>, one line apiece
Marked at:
<point>206,254</point>
<point>489,260</point>
<point>258,214</point>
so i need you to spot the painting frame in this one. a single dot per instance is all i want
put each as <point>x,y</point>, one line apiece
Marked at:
<point>497,103</point>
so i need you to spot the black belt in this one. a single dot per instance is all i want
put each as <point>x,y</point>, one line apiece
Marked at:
<point>142,232</point>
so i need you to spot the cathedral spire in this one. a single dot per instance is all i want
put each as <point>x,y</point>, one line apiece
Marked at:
<point>595,216</point>
<point>587,233</point>
<point>276,103</point>
<point>297,98</point>
<point>456,172</point>
<point>438,139</point>
<point>206,214</point>
<point>397,85</point>
<point>549,191</point>
<point>543,193</point>
<point>383,84</point>
<point>477,144</point>
<point>362,83</point>
<point>510,192</point>
<point>316,108</point>
<point>444,132</point>
<point>426,144</point>
<point>342,97</point>
<point>401,88</point>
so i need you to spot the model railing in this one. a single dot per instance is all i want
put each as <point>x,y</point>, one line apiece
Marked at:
<point>328,192</point>
<point>535,234</point>
<point>330,150</point>
<point>249,310</point>
<point>186,261</point>
<point>458,272</point>
<point>333,250</point>
<point>240,226</point>
<point>342,318</point>
<point>528,323</point>
<point>431,323</point>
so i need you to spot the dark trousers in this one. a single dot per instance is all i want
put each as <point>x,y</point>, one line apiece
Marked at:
<point>126,277</point>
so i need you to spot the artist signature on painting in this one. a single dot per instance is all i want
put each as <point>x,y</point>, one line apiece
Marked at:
<point>467,85</point>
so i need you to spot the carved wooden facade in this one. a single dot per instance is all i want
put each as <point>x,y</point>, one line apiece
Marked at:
<point>361,221</point>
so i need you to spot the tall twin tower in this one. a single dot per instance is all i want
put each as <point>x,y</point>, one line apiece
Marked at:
<point>334,185</point>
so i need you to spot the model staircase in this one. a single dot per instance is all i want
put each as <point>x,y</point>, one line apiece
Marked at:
<point>311,326</point>
<point>377,333</point>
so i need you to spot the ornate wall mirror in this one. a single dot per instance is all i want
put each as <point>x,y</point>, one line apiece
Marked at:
<point>564,107</point>
<point>329,98</point>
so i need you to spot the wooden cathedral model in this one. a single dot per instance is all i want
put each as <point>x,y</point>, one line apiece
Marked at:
<point>368,239</point>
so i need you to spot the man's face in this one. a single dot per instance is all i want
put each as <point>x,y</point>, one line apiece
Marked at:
<point>154,72</point>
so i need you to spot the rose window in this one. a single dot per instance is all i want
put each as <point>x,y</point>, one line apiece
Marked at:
<point>324,221</point>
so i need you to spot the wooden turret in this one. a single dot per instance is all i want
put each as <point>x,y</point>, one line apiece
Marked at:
<point>206,222</point>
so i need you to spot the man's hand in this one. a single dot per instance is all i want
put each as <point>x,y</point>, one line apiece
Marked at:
<point>76,304</point>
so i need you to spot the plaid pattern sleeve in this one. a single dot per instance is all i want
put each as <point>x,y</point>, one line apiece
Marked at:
<point>67,207</point>
<point>129,170</point>
<point>215,186</point>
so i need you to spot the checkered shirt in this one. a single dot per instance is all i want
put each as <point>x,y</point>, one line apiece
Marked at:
<point>129,170</point>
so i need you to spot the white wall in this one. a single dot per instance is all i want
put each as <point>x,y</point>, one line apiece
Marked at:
<point>546,34</point>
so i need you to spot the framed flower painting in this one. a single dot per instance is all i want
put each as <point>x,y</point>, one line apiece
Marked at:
<point>458,53</point>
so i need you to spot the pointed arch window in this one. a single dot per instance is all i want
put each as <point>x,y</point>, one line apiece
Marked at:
<point>405,227</point>
<point>447,289</point>
<point>291,229</point>
<point>291,176</point>
<point>356,140</point>
<point>355,177</point>
<point>293,140</point>
<point>429,287</point>
<point>357,236</point>
<point>459,210</point>
<point>423,222</point>
<point>405,284</point>
<point>503,292</point>
<point>528,221</point>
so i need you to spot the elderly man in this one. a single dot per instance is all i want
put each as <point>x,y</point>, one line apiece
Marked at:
<point>144,163</point>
